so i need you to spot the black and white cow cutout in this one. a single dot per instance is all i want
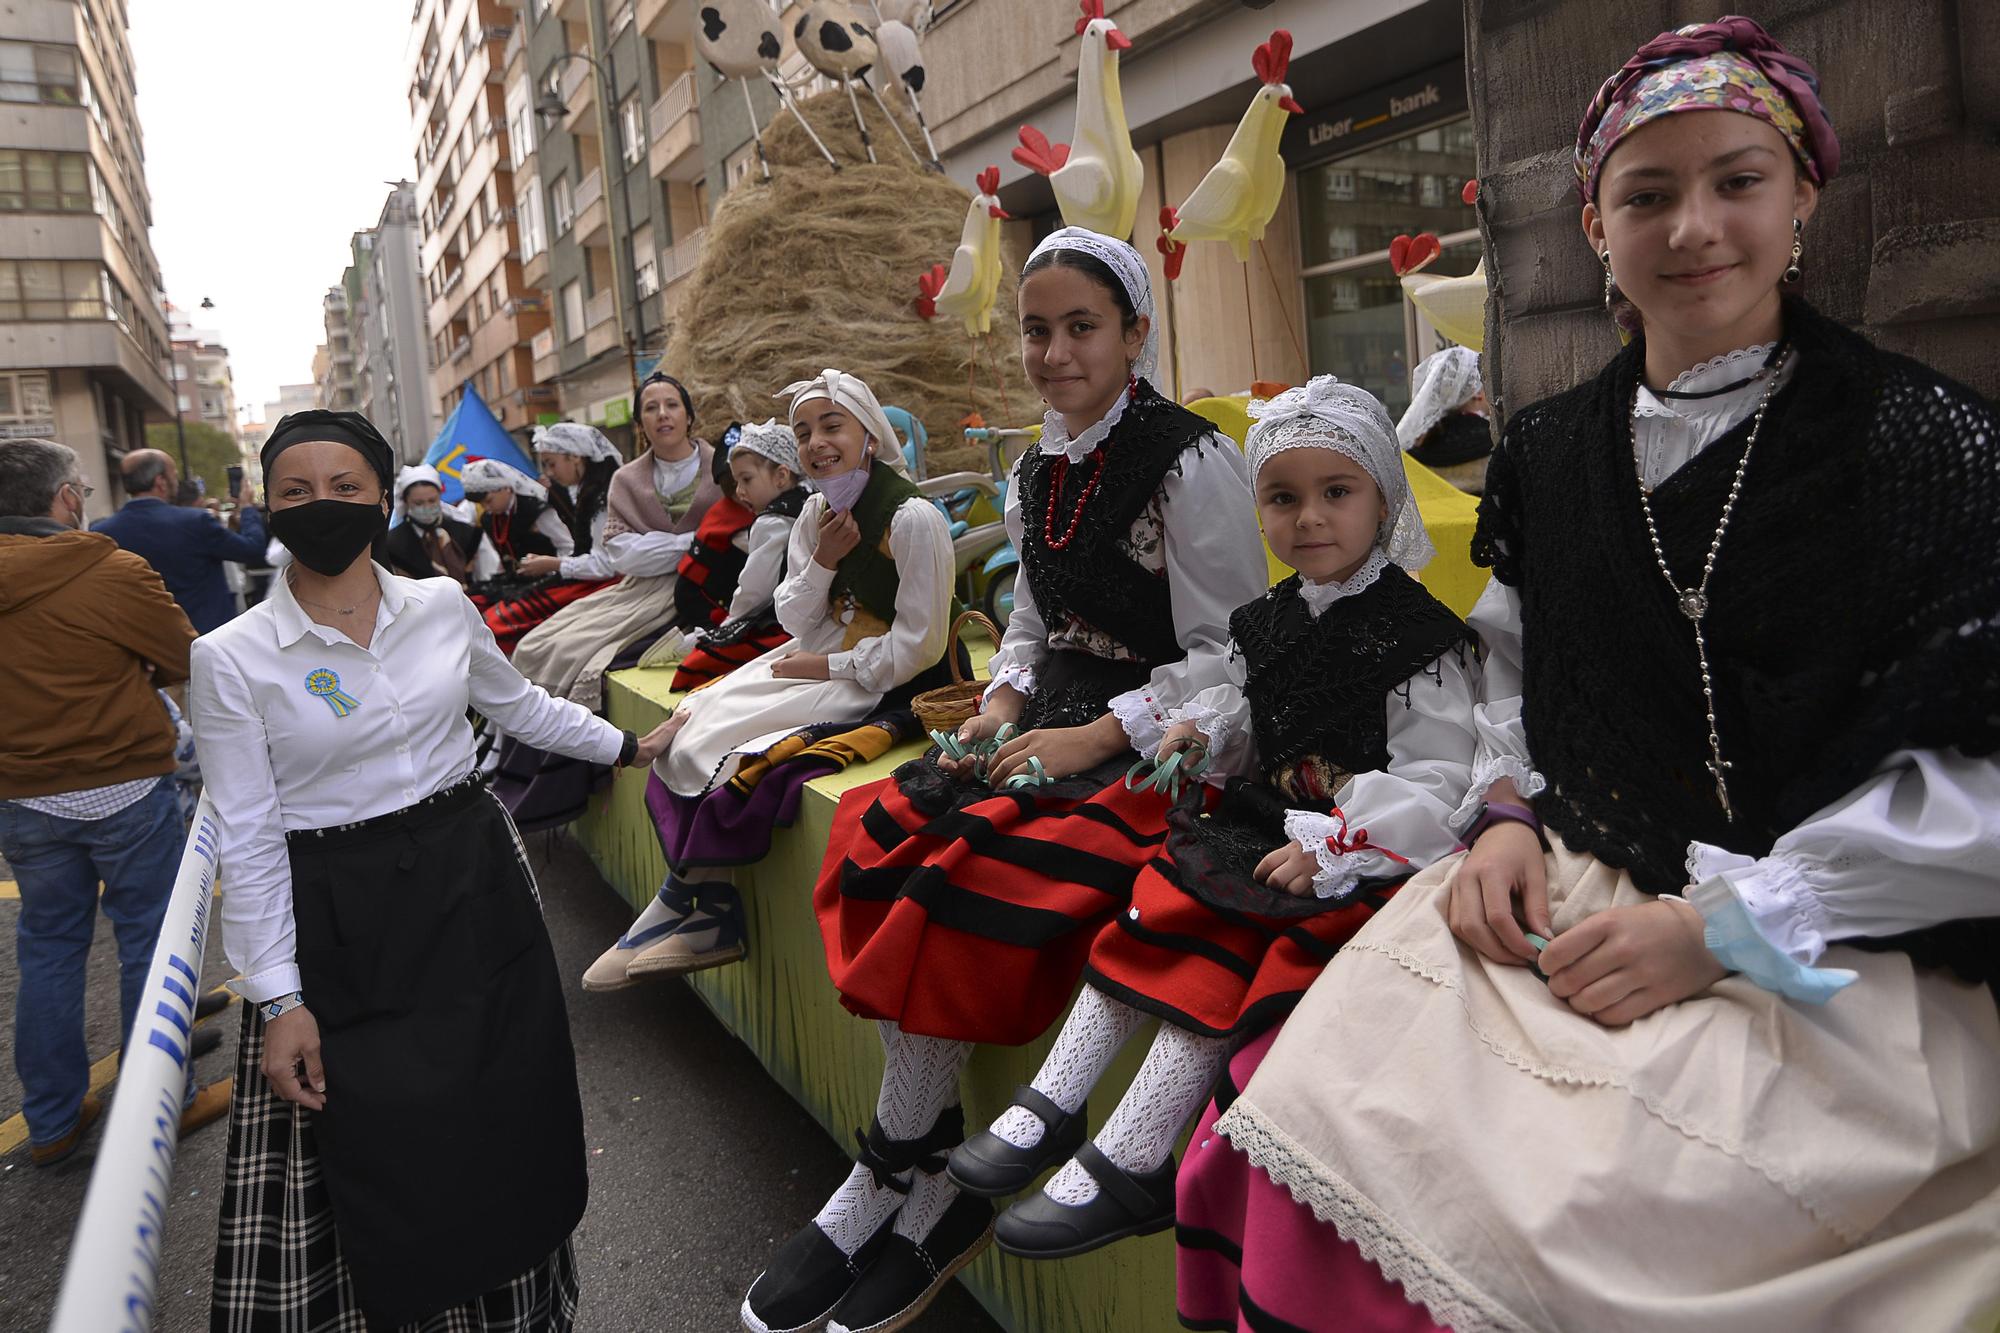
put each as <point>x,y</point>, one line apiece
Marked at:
<point>742,41</point>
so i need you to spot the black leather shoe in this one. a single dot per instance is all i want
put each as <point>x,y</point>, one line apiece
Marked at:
<point>807,1277</point>
<point>206,1041</point>
<point>211,1003</point>
<point>1126,1205</point>
<point>908,1275</point>
<point>991,1167</point>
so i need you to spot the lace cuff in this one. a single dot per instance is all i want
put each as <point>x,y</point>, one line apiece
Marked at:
<point>1145,722</point>
<point>1342,857</point>
<point>1734,936</point>
<point>1214,725</point>
<point>1488,769</point>
<point>1776,893</point>
<point>1021,677</point>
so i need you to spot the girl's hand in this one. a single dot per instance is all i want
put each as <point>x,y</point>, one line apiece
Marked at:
<point>801,666</point>
<point>291,1040</point>
<point>838,534</point>
<point>1504,865</point>
<point>980,728</point>
<point>1064,751</point>
<point>1291,869</point>
<point>1181,736</point>
<point>1625,962</point>
<point>655,742</point>
<point>534,566</point>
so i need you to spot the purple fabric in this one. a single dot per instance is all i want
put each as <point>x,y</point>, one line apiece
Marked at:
<point>1733,33</point>
<point>723,828</point>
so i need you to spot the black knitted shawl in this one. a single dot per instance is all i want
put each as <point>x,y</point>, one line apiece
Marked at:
<point>1092,579</point>
<point>1316,686</point>
<point>1854,608</point>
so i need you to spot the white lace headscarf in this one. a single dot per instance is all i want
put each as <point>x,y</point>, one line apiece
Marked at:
<point>771,440</point>
<point>852,393</point>
<point>1442,383</point>
<point>1125,262</point>
<point>1326,414</point>
<point>414,474</point>
<point>573,437</point>
<point>483,476</point>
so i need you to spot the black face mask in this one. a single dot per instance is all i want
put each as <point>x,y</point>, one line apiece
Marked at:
<point>326,535</point>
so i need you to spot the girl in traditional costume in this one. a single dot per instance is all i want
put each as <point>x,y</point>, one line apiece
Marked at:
<point>867,601</point>
<point>514,513</point>
<point>960,896</point>
<point>577,464</point>
<point>1445,426</point>
<point>1344,718</point>
<point>1698,1034</point>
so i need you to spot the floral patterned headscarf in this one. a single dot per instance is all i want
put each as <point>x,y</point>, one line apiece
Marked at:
<point>1729,65</point>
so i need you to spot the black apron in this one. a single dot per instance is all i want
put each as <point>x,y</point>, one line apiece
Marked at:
<point>452,1138</point>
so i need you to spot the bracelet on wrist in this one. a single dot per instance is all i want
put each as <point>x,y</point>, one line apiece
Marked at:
<point>629,750</point>
<point>1503,812</point>
<point>282,1004</point>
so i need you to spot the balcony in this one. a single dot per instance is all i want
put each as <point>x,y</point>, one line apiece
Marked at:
<point>517,42</point>
<point>591,213</point>
<point>675,122</point>
<point>535,271</point>
<point>579,94</point>
<point>681,258</point>
<point>600,329</point>
<point>548,362</point>
<point>664,20</point>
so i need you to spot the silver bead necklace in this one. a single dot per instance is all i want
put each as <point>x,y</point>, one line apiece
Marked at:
<point>1693,600</point>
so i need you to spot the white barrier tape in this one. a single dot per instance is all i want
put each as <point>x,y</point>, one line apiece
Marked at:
<point>114,1260</point>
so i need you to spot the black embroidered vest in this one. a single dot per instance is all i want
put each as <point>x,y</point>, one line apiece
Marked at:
<point>709,570</point>
<point>513,533</point>
<point>1092,579</point>
<point>1316,686</point>
<point>1852,608</point>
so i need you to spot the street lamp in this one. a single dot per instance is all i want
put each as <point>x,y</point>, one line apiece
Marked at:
<point>549,106</point>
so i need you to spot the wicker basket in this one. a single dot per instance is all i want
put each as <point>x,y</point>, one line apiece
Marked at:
<point>947,707</point>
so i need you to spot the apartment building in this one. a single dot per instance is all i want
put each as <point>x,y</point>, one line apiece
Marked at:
<point>84,351</point>
<point>481,315</point>
<point>387,324</point>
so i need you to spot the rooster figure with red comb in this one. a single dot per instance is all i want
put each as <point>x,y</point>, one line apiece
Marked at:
<point>1096,176</point>
<point>1236,200</point>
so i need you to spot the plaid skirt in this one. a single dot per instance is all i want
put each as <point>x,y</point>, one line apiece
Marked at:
<point>278,1267</point>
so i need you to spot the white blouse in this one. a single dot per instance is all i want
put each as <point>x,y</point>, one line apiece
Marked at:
<point>1407,808</point>
<point>763,567</point>
<point>549,523</point>
<point>638,554</point>
<point>920,544</point>
<point>278,754</point>
<point>1916,844</point>
<point>1204,525</point>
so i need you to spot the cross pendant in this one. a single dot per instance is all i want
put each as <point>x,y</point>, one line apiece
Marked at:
<point>1716,768</point>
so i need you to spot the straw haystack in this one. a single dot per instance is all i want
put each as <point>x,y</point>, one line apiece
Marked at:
<point>819,269</point>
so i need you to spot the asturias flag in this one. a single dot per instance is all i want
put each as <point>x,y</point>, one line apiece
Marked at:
<point>472,432</point>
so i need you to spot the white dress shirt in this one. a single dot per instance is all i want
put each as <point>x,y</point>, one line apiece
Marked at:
<point>638,554</point>
<point>276,756</point>
<point>1916,844</point>
<point>1201,532</point>
<point>1407,808</point>
<point>920,544</point>
<point>763,567</point>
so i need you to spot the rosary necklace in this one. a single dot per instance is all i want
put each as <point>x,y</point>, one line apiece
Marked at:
<point>1693,600</point>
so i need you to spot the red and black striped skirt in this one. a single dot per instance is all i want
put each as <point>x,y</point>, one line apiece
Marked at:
<point>710,661</point>
<point>960,912</point>
<point>1202,943</point>
<point>511,620</point>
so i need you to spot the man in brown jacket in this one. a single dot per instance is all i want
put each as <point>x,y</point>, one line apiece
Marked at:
<point>87,632</point>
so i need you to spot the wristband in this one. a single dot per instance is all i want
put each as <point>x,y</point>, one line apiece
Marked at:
<point>1502,812</point>
<point>283,1004</point>
<point>628,750</point>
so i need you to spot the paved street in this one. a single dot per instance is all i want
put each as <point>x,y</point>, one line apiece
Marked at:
<point>700,1164</point>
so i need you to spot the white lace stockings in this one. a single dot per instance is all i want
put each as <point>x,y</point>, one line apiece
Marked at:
<point>1097,1030</point>
<point>919,1081</point>
<point>1170,1087</point>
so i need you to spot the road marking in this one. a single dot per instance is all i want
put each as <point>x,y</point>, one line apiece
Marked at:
<point>14,1130</point>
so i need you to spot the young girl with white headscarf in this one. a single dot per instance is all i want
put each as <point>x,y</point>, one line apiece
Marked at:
<point>957,908</point>
<point>1343,725</point>
<point>867,600</point>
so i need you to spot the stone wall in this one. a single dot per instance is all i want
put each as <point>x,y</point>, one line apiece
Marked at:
<point>1906,242</point>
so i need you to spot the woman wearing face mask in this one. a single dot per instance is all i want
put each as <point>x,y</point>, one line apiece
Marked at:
<point>406,1140</point>
<point>426,541</point>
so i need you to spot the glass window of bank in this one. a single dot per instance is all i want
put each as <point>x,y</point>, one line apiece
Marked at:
<point>1349,211</point>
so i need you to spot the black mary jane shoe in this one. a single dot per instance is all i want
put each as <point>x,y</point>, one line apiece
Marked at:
<point>1126,1205</point>
<point>909,1274</point>
<point>992,1168</point>
<point>807,1277</point>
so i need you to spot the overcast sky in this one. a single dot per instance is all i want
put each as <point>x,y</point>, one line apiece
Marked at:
<point>271,131</point>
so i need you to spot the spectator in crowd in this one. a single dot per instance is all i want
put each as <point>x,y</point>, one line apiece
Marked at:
<point>90,629</point>
<point>187,546</point>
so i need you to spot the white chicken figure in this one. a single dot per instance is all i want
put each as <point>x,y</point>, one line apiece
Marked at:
<point>974,281</point>
<point>1235,201</point>
<point>1096,176</point>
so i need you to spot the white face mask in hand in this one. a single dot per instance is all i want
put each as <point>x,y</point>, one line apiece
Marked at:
<point>844,490</point>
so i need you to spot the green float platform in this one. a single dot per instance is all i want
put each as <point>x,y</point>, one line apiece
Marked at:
<point>782,1005</point>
